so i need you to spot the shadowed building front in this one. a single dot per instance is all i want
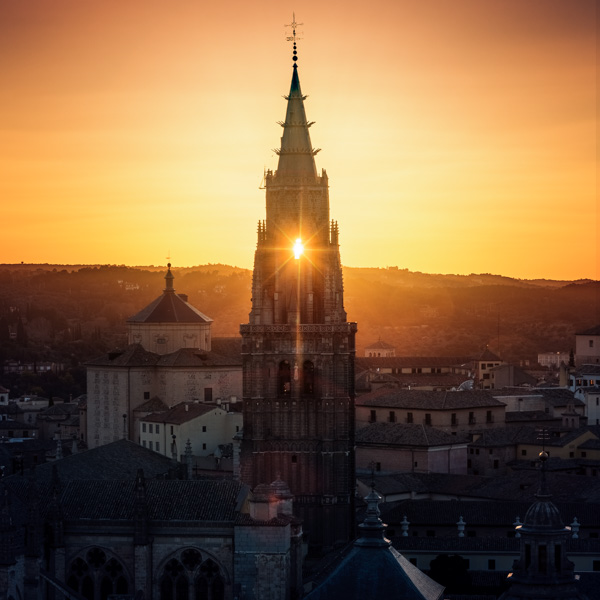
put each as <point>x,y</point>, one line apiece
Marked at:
<point>298,348</point>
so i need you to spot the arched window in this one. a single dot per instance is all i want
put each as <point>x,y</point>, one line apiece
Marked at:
<point>189,577</point>
<point>308,378</point>
<point>284,379</point>
<point>174,582</point>
<point>97,578</point>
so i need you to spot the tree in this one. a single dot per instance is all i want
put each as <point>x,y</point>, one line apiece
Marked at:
<point>451,572</point>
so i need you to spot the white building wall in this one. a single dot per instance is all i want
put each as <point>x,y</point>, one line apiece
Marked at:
<point>205,433</point>
<point>591,397</point>
<point>587,349</point>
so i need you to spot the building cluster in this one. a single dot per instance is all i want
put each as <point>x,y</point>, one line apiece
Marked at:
<point>263,467</point>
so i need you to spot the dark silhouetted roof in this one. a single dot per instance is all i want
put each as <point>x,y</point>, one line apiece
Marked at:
<point>381,344</point>
<point>399,362</point>
<point>117,460</point>
<point>428,400</point>
<point>155,404</point>
<point>181,413</point>
<point>169,308</point>
<point>592,331</point>
<point>172,500</point>
<point>373,569</point>
<point>400,434</point>
<point>136,356</point>
<point>132,356</point>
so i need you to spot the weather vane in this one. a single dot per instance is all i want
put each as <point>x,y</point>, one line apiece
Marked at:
<point>293,38</point>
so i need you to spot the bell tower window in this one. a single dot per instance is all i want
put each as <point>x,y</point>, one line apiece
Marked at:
<point>284,379</point>
<point>308,378</point>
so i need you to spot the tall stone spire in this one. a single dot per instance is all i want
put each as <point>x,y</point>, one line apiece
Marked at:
<point>298,348</point>
<point>296,154</point>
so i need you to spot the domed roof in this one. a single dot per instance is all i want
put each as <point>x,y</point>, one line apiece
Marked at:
<point>542,515</point>
<point>281,489</point>
<point>169,308</point>
<point>262,492</point>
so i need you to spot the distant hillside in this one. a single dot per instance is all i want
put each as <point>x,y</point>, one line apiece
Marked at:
<point>75,309</point>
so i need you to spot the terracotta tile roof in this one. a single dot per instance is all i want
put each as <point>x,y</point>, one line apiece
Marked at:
<point>519,485</point>
<point>168,500</point>
<point>136,356</point>
<point>181,413</point>
<point>406,362</point>
<point>401,434</point>
<point>61,409</point>
<point>528,416</point>
<point>588,370</point>
<point>380,344</point>
<point>132,356</point>
<point>155,404</point>
<point>117,460</point>
<point>592,331</point>
<point>488,355</point>
<point>169,308</point>
<point>428,400</point>
<point>505,436</point>
<point>191,357</point>
<point>535,392</point>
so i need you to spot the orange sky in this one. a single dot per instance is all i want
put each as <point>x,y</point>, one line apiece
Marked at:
<point>458,136</point>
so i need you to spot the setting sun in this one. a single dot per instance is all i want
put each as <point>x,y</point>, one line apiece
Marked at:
<point>298,248</point>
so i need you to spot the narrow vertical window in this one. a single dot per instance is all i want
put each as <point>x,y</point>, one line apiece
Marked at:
<point>308,378</point>
<point>284,379</point>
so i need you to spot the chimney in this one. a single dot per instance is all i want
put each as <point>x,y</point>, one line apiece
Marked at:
<point>187,407</point>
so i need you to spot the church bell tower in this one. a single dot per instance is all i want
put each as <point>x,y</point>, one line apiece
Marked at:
<point>298,348</point>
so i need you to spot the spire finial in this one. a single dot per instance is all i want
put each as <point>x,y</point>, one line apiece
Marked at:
<point>543,491</point>
<point>293,38</point>
<point>169,279</point>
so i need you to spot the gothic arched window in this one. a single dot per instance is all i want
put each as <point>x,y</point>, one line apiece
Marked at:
<point>284,379</point>
<point>97,578</point>
<point>308,378</point>
<point>189,577</point>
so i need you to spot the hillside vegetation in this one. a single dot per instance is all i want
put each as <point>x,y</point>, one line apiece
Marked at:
<point>72,313</point>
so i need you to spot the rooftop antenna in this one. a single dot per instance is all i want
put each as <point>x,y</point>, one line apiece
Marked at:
<point>293,37</point>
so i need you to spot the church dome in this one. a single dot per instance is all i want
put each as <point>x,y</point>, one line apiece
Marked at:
<point>542,515</point>
<point>281,489</point>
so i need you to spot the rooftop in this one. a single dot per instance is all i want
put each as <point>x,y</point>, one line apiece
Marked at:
<point>401,434</point>
<point>429,400</point>
<point>181,413</point>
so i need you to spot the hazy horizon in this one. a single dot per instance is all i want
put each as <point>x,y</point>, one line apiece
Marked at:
<point>175,268</point>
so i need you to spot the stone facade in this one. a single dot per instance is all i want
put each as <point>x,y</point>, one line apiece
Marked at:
<point>162,537</point>
<point>117,385</point>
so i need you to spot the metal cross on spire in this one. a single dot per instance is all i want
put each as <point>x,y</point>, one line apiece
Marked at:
<point>293,38</point>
